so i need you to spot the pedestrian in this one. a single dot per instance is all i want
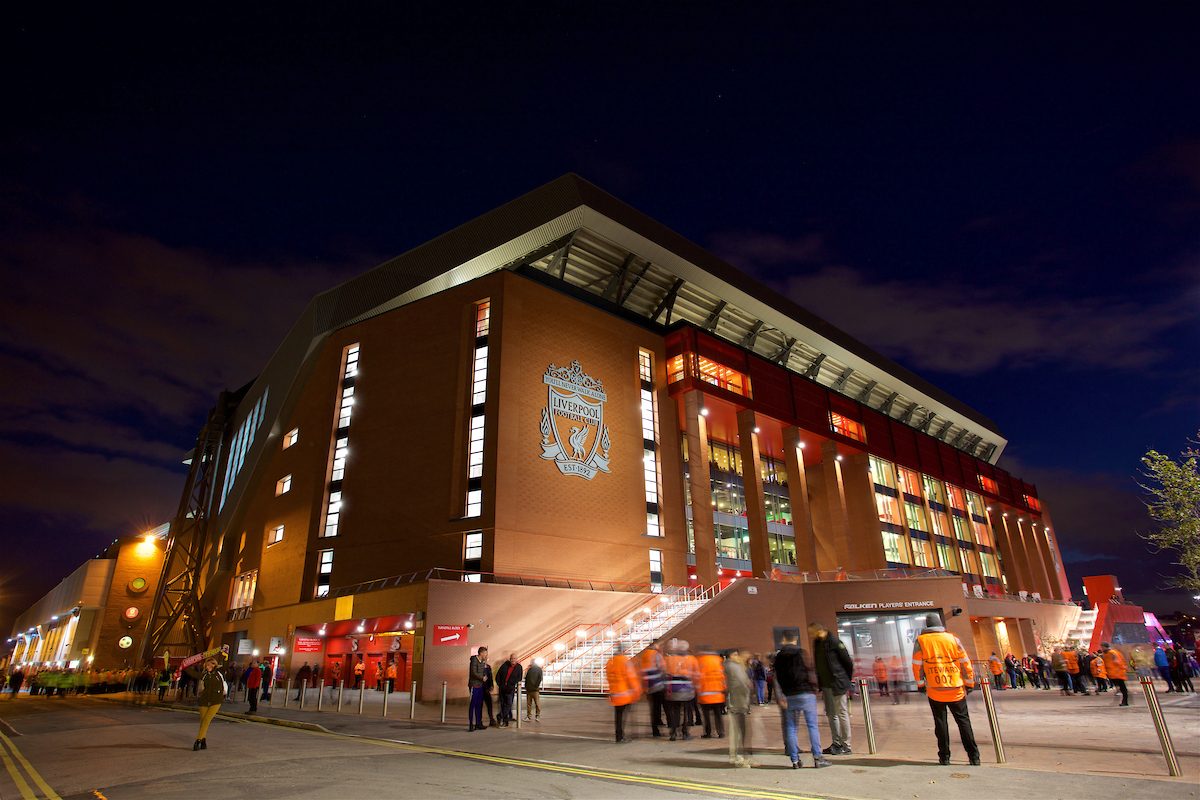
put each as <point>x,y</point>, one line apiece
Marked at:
<point>1058,661</point>
<point>211,689</point>
<point>533,690</point>
<point>508,680</point>
<point>359,668</point>
<point>476,677</point>
<point>710,692</point>
<point>391,676</point>
<point>302,676</point>
<point>944,673</point>
<point>798,685</point>
<point>739,690</point>
<point>1181,671</point>
<point>1072,659</point>
<point>1163,665</point>
<point>624,688</point>
<point>881,675</point>
<point>1114,667</point>
<point>253,684</point>
<point>834,668</point>
<point>760,679</point>
<point>14,682</point>
<point>682,674</point>
<point>488,684</point>
<point>997,668</point>
<point>654,681</point>
<point>1099,673</point>
<point>164,682</point>
<point>1010,667</point>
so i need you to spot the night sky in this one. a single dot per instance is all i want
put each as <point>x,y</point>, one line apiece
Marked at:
<point>1005,199</point>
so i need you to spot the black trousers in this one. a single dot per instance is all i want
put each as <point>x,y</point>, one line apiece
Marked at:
<point>677,712</point>
<point>656,710</point>
<point>711,711</point>
<point>1120,684</point>
<point>941,727</point>
<point>252,698</point>
<point>487,703</point>
<point>619,719</point>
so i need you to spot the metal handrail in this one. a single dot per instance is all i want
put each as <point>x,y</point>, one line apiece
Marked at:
<point>444,573</point>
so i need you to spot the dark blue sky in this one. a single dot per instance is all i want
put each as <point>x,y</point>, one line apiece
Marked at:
<point>1004,198</point>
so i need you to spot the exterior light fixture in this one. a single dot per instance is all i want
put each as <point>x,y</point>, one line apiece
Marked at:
<point>559,646</point>
<point>581,634</point>
<point>360,629</point>
<point>253,652</point>
<point>704,412</point>
<point>756,429</point>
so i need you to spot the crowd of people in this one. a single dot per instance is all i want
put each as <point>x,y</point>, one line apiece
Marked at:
<point>64,681</point>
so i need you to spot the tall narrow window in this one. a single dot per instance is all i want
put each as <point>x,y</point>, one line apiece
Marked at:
<point>241,443</point>
<point>656,578</point>
<point>341,448</point>
<point>324,572</point>
<point>291,438</point>
<point>479,370</point>
<point>472,553</point>
<point>243,589</point>
<point>276,535</point>
<point>333,513</point>
<point>347,407</point>
<point>283,485</point>
<point>650,469</point>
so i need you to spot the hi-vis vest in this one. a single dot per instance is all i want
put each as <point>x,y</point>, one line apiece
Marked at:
<point>711,688</point>
<point>1114,665</point>
<point>624,685</point>
<point>942,666</point>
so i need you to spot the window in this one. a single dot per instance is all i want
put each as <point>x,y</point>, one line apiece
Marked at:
<point>915,516</point>
<point>473,552</point>
<point>656,578</point>
<point>888,507</point>
<point>479,376</point>
<point>347,406</point>
<point>1032,502</point>
<point>474,503</point>
<point>894,548</point>
<point>276,535</point>
<point>922,557</point>
<point>243,589</point>
<point>333,514</point>
<point>946,556</point>
<point>722,376</point>
<point>910,482</point>
<point>962,530</point>
<point>644,366</point>
<point>649,444</point>
<point>883,472</point>
<point>291,438</point>
<point>988,485</point>
<point>988,561</point>
<point>957,498</point>
<point>241,443</point>
<point>934,490</point>
<point>483,319</point>
<point>340,450</point>
<point>283,485</point>
<point>847,427</point>
<point>324,571</point>
<point>783,549</point>
<point>475,449</point>
<point>351,361</point>
<point>675,371</point>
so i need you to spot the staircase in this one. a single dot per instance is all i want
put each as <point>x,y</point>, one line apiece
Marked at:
<point>575,664</point>
<point>1082,630</point>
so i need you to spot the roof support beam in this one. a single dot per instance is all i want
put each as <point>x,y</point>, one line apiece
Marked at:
<point>613,290</point>
<point>886,408</point>
<point>668,302</point>
<point>954,442</point>
<point>987,453</point>
<point>710,324</point>
<point>814,369</point>
<point>748,342</point>
<point>942,432</point>
<point>865,394</point>
<point>633,285</point>
<point>845,376</point>
<point>558,265</point>
<point>784,352</point>
<point>907,416</point>
<point>924,426</point>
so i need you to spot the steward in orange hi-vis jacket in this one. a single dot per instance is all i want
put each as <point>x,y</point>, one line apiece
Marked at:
<point>710,691</point>
<point>624,687</point>
<point>881,675</point>
<point>1114,667</point>
<point>944,673</point>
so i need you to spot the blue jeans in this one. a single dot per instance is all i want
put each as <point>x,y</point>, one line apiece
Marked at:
<point>475,710</point>
<point>790,717</point>
<point>761,686</point>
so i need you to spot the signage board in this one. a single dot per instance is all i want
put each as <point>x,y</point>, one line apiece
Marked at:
<point>222,651</point>
<point>245,647</point>
<point>899,604</point>
<point>308,644</point>
<point>449,635</point>
<point>276,646</point>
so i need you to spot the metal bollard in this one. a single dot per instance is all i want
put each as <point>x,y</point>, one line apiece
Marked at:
<point>866,707</point>
<point>303,694</point>
<point>443,701</point>
<point>993,721</point>
<point>362,694</point>
<point>273,686</point>
<point>341,684</point>
<point>517,707</point>
<point>320,694</point>
<point>1160,724</point>
<point>385,698</point>
<point>412,702</point>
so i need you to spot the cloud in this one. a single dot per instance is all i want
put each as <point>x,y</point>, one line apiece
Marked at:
<point>750,251</point>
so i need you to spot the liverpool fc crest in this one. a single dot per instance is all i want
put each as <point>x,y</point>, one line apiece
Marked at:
<point>575,404</point>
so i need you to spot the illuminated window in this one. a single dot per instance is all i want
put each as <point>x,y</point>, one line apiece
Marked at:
<point>283,485</point>
<point>241,443</point>
<point>783,549</point>
<point>475,440</point>
<point>644,366</point>
<point>649,446</point>
<point>988,561</point>
<point>276,535</point>
<point>324,571</point>
<point>922,557</point>
<point>883,472</point>
<point>333,515</point>
<point>675,369</point>
<point>656,578</point>
<point>983,534</point>
<point>910,482</point>
<point>988,485</point>
<point>291,438</point>
<point>722,376</point>
<point>962,528</point>
<point>347,405</point>
<point>243,589</point>
<point>473,552</point>
<point>976,505</point>
<point>847,427</point>
<point>957,498</point>
<point>351,361</point>
<point>945,555</point>
<point>1032,502</point>
<point>888,508</point>
<point>895,549</point>
<point>340,450</point>
<point>970,560</point>
<point>915,515</point>
<point>934,490</point>
<point>474,503</point>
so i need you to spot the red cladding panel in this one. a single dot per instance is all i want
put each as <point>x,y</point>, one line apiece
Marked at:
<point>772,389</point>
<point>1004,482</point>
<point>879,433</point>
<point>950,466</point>
<point>812,404</point>
<point>679,342</point>
<point>927,452</point>
<point>970,471</point>
<point>904,439</point>
<point>845,406</point>
<point>721,352</point>
<point>1029,489</point>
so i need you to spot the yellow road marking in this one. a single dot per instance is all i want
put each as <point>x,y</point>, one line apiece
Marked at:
<point>22,786</point>
<point>586,772</point>
<point>49,793</point>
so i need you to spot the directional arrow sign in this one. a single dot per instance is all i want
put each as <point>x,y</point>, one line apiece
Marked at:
<point>449,635</point>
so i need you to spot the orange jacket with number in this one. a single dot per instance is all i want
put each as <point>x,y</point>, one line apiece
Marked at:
<point>1114,665</point>
<point>711,687</point>
<point>940,664</point>
<point>624,685</point>
<point>1072,661</point>
<point>1098,670</point>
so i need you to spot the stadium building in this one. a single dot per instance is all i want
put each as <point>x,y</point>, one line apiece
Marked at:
<point>562,425</point>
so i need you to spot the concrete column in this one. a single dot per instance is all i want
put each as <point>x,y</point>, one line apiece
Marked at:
<point>703,530</point>
<point>1028,639</point>
<point>756,508</point>
<point>1036,566</point>
<point>1011,570</point>
<point>865,532</point>
<point>835,499</point>
<point>802,526</point>
<point>1042,538</point>
<point>1017,542</point>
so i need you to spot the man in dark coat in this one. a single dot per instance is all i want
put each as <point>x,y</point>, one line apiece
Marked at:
<point>508,679</point>
<point>834,670</point>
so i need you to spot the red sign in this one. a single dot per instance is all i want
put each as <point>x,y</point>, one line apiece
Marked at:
<point>306,644</point>
<point>449,634</point>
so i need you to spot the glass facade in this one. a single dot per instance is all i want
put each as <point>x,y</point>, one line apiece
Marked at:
<point>889,636</point>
